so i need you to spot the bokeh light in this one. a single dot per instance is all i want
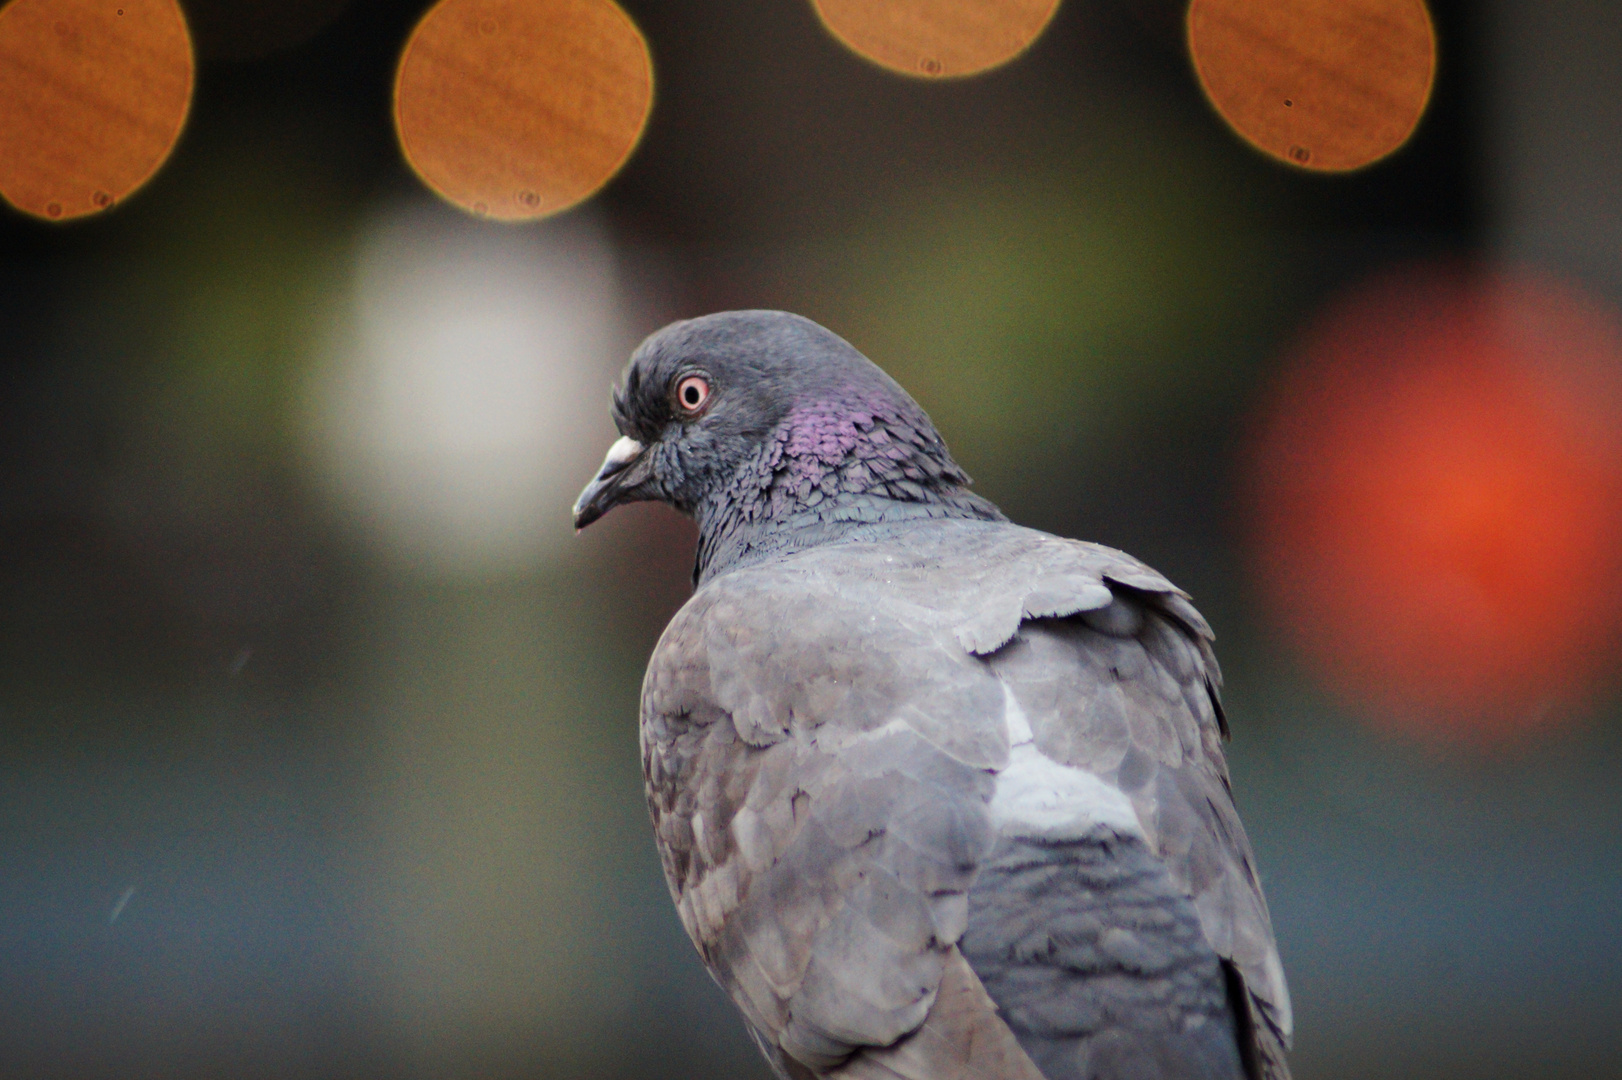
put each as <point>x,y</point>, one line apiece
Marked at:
<point>1329,85</point>
<point>937,39</point>
<point>461,396</point>
<point>93,96</point>
<point>515,109</point>
<point>1436,484</point>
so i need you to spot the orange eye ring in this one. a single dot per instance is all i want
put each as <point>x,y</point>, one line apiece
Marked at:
<point>692,394</point>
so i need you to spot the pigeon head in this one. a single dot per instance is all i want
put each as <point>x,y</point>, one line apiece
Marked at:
<point>774,434</point>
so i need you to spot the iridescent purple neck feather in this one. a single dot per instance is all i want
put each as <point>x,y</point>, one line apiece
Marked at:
<point>847,465</point>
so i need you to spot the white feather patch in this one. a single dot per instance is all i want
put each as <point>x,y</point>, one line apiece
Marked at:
<point>1019,725</point>
<point>1039,797</point>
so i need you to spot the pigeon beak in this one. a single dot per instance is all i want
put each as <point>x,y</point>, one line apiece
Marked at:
<point>608,488</point>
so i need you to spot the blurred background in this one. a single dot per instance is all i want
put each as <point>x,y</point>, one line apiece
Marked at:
<point>318,750</point>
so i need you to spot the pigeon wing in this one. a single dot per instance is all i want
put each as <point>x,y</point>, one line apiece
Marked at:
<point>1129,692</point>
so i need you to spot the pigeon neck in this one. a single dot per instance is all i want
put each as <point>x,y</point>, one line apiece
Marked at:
<point>833,471</point>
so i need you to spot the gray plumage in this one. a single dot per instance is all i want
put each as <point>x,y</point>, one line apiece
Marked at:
<point>937,796</point>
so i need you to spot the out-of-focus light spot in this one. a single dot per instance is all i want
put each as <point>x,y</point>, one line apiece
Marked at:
<point>250,29</point>
<point>1330,85</point>
<point>1436,485</point>
<point>515,109</point>
<point>463,394</point>
<point>93,94</point>
<point>937,39</point>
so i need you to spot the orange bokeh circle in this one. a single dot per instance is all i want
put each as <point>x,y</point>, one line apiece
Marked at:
<point>93,96</point>
<point>1435,489</point>
<point>515,109</point>
<point>1330,85</point>
<point>937,39</point>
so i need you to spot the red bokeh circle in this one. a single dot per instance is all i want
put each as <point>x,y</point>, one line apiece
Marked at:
<point>1435,497</point>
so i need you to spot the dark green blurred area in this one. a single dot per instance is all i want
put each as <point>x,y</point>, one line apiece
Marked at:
<point>281,796</point>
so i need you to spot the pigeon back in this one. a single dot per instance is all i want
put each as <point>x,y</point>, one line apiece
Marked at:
<point>953,802</point>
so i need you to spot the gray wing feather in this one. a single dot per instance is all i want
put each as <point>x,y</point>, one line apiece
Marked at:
<point>961,1040</point>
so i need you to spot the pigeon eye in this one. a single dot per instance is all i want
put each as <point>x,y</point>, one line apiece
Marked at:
<point>692,392</point>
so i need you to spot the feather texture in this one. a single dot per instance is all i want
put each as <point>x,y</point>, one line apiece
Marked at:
<point>824,736</point>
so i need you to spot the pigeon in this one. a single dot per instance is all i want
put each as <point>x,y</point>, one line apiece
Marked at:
<point>937,796</point>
